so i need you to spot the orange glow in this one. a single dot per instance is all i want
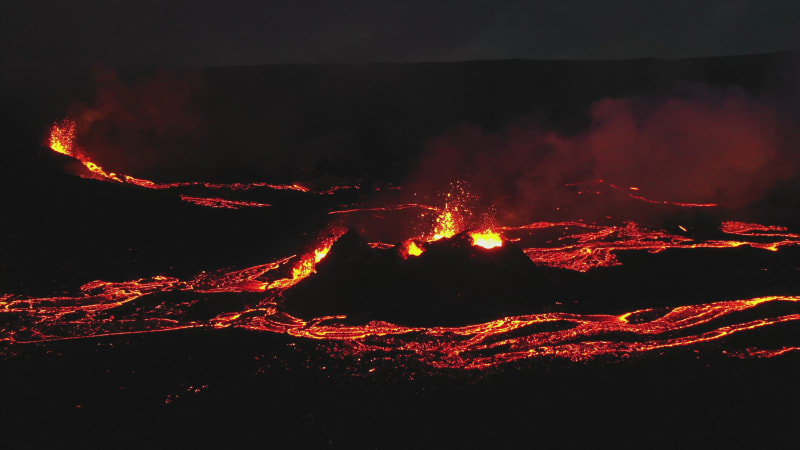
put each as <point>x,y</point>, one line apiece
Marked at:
<point>451,219</point>
<point>447,224</point>
<point>413,249</point>
<point>410,248</point>
<point>599,183</point>
<point>754,229</point>
<point>94,310</point>
<point>386,208</point>
<point>486,239</point>
<point>321,253</point>
<point>764,353</point>
<point>222,203</point>
<point>307,264</point>
<point>62,137</point>
<point>681,204</point>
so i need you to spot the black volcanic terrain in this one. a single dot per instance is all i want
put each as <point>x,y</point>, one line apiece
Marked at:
<point>456,283</point>
<point>226,365</point>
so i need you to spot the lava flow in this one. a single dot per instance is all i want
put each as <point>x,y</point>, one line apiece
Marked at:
<point>63,137</point>
<point>102,308</point>
<point>583,246</point>
<point>486,239</point>
<point>633,193</point>
<point>111,308</point>
<point>107,308</point>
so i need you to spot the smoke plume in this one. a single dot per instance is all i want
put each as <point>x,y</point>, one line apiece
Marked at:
<point>700,146</point>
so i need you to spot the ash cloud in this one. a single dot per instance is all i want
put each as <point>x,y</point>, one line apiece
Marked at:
<point>697,145</point>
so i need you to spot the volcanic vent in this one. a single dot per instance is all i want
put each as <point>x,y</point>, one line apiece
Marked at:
<point>453,282</point>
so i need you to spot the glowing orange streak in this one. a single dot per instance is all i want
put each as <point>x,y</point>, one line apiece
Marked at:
<point>544,344</point>
<point>592,349</point>
<point>753,353</point>
<point>596,247</point>
<point>62,140</point>
<point>386,208</point>
<point>541,225</point>
<point>754,229</point>
<point>223,203</point>
<point>307,264</point>
<point>101,335</point>
<point>645,199</point>
<point>681,204</point>
<point>437,346</point>
<point>223,186</point>
<point>381,245</point>
<point>99,296</point>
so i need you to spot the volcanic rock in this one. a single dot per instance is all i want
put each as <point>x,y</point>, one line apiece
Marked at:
<point>452,282</point>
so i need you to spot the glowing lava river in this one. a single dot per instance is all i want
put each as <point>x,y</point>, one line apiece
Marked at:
<point>162,304</point>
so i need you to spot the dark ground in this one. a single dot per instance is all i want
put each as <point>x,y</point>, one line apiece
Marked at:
<point>264,391</point>
<point>114,393</point>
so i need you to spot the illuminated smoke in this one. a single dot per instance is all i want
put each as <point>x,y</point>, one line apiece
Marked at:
<point>701,148</point>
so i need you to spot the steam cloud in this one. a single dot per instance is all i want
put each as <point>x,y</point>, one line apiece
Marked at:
<point>702,146</point>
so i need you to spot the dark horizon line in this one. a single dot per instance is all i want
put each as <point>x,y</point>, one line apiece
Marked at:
<point>792,52</point>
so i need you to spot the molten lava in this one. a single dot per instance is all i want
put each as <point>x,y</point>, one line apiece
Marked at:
<point>308,263</point>
<point>95,310</point>
<point>62,137</point>
<point>453,217</point>
<point>486,239</point>
<point>410,248</point>
<point>223,203</point>
<point>102,308</point>
<point>599,184</point>
<point>446,224</point>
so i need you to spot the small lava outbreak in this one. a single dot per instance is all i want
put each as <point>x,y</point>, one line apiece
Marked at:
<point>102,308</point>
<point>62,140</point>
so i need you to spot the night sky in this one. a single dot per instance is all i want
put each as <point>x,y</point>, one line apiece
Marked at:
<point>36,33</point>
